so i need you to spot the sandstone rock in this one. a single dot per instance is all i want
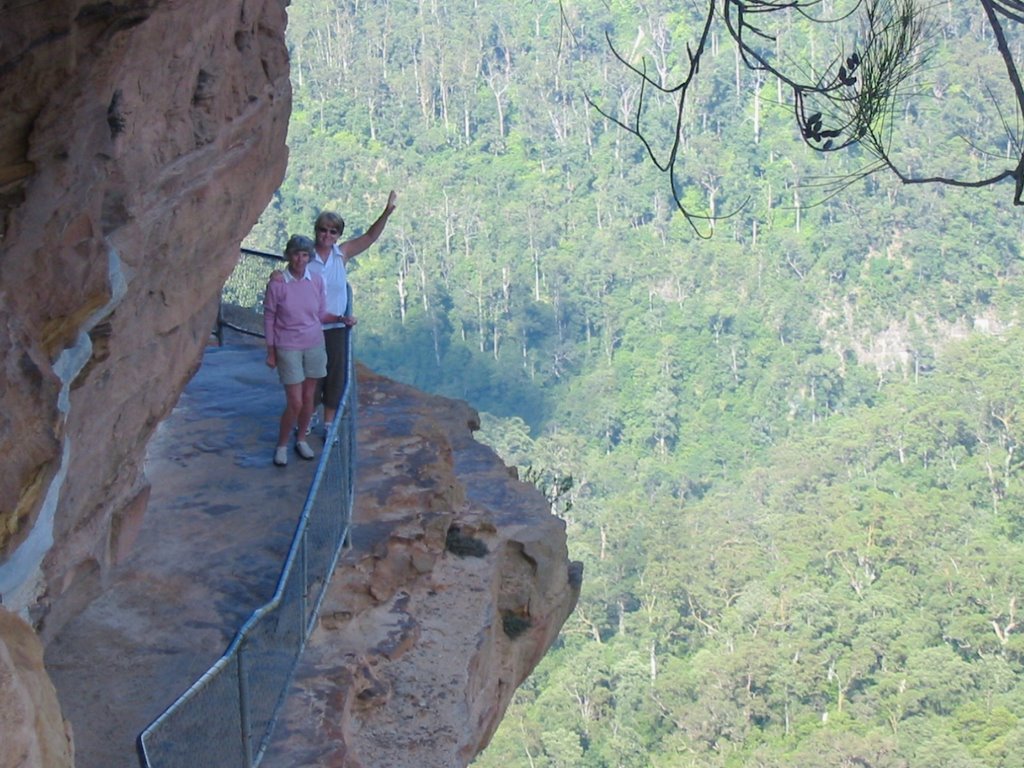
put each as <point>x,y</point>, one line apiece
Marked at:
<point>32,731</point>
<point>139,142</point>
<point>458,583</point>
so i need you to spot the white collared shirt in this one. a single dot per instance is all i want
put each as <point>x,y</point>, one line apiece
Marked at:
<point>289,277</point>
<point>336,281</point>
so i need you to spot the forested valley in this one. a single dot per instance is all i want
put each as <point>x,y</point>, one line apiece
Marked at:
<point>789,452</point>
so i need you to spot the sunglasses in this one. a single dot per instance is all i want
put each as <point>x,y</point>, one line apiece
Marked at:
<point>329,230</point>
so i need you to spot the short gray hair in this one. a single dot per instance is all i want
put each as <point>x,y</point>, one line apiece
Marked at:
<point>299,243</point>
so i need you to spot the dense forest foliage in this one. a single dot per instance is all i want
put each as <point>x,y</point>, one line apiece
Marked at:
<point>796,449</point>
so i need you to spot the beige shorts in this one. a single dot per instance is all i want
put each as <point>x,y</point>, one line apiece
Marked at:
<point>296,365</point>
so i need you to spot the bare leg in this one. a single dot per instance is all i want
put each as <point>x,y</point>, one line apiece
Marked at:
<point>293,404</point>
<point>308,405</point>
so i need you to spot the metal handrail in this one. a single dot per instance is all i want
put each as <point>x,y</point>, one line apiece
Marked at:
<point>225,719</point>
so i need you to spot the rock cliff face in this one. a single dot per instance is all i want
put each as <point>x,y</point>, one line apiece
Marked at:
<point>139,142</point>
<point>34,734</point>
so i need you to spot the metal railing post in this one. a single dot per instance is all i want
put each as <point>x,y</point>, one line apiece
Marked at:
<point>244,711</point>
<point>303,626</point>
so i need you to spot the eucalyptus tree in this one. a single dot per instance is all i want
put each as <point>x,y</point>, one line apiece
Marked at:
<point>854,98</point>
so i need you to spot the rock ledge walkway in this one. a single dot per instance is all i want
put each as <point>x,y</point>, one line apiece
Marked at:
<point>216,532</point>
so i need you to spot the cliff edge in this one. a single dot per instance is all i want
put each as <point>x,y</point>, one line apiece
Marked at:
<point>458,583</point>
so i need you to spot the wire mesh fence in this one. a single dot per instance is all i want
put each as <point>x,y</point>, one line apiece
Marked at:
<point>241,298</point>
<point>225,719</point>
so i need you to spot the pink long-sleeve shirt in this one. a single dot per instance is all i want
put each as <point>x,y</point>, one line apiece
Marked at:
<point>293,310</point>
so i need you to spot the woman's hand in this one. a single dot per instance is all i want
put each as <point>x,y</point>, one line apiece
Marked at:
<point>271,357</point>
<point>348,320</point>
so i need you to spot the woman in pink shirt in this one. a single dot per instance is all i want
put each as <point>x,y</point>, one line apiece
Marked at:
<point>294,310</point>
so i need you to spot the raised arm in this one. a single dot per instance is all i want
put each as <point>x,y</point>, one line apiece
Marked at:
<point>357,245</point>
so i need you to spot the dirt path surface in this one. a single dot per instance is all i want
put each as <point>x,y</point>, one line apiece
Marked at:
<point>216,532</point>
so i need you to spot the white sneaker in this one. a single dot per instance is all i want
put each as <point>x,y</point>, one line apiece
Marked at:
<point>302,448</point>
<point>281,456</point>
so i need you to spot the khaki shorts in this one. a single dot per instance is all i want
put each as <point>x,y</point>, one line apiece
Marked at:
<point>296,365</point>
